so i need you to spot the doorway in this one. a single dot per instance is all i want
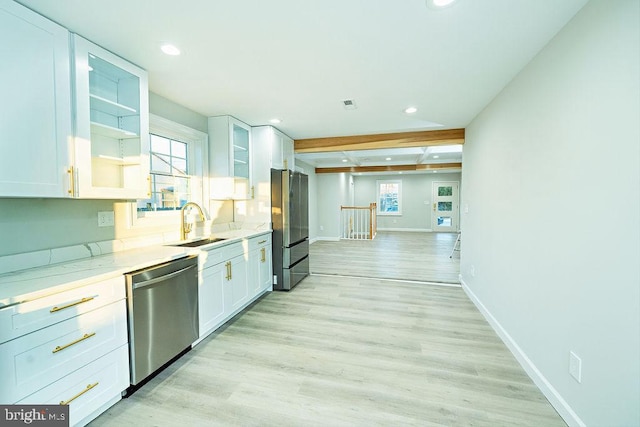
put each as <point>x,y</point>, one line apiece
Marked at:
<point>446,206</point>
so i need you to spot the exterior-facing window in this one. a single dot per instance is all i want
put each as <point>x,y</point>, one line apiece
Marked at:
<point>389,197</point>
<point>170,182</point>
<point>178,164</point>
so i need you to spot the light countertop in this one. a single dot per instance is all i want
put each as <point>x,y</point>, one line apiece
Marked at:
<point>32,283</point>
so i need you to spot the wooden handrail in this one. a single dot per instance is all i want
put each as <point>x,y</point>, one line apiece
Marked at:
<point>371,219</point>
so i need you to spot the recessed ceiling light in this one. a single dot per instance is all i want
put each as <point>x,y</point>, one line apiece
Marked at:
<point>410,110</point>
<point>170,49</point>
<point>439,4</point>
<point>436,157</point>
<point>344,160</point>
<point>388,158</point>
<point>275,121</point>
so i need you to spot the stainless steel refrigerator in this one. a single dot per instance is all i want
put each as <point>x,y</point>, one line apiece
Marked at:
<point>290,218</point>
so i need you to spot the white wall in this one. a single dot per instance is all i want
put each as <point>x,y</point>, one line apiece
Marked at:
<point>555,244</point>
<point>313,197</point>
<point>416,198</point>
<point>333,190</point>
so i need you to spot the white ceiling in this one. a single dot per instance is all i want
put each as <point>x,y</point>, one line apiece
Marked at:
<point>297,60</point>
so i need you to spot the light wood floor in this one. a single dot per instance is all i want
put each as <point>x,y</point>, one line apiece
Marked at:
<point>344,351</point>
<point>391,255</point>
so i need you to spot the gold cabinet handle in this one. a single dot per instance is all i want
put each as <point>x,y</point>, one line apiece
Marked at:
<point>83,300</point>
<point>149,186</point>
<point>228,266</point>
<point>71,181</point>
<point>263,255</point>
<point>253,192</point>
<point>62,347</point>
<point>89,387</point>
<point>262,241</point>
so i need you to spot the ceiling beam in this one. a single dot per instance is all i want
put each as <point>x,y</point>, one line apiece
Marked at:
<point>379,141</point>
<point>392,168</point>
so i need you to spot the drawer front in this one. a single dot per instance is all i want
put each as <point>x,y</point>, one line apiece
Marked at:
<point>224,253</point>
<point>30,316</point>
<point>38,359</point>
<point>89,390</point>
<point>260,241</point>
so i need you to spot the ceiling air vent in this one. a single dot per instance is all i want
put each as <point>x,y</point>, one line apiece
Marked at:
<point>349,104</point>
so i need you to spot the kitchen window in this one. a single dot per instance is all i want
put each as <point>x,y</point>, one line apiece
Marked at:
<point>170,180</point>
<point>389,197</point>
<point>177,156</point>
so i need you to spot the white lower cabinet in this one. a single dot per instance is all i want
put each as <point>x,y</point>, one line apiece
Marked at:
<point>231,277</point>
<point>90,390</point>
<point>260,267</point>
<point>67,348</point>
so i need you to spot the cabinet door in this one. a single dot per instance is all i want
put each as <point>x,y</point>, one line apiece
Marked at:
<point>237,282</point>
<point>35,111</point>
<point>230,158</point>
<point>240,149</point>
<point>112,125</point>
<point>213,307</point>
<point>265,270</point>
<point>288,153</point>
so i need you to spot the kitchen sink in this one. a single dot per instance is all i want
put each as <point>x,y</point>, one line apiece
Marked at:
<point>199,242</point>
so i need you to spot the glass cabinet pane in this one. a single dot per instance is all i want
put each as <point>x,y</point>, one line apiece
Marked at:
<point>240,152</point>
<point>112,141</point>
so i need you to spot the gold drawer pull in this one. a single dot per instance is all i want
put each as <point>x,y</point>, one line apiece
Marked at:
<point>263,256</point>
<point>262,241</point>
<point>89,387</point>
<point>62,347</point>
<point>83,300</point>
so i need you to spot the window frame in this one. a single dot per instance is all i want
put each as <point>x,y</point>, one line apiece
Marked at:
<point>197,164</point>
<point>381,182</point>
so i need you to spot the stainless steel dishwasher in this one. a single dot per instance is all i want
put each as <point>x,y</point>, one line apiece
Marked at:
<point>162,313</point>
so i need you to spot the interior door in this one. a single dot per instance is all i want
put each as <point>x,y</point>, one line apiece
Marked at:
<point>445,216</point>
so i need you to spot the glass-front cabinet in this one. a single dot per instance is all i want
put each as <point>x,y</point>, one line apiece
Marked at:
<point>230,158</point>
<point>111,143</point>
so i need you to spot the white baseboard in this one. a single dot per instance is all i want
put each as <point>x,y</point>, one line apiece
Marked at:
<point>331,239</point>
<point>421,230</point>
<point>561,405</point>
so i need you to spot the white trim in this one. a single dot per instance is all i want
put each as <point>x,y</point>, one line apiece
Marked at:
<point>554,397</point>
<point>378,204</point>
<point>331,239</point>
<point>420,282</point>
<point>198,167</point>
<point>421,230</point>
<point>312,241</point>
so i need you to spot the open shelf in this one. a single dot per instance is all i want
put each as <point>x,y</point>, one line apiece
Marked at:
<point>111,107</point>
<point>119,160</point>
<point>112,132</point>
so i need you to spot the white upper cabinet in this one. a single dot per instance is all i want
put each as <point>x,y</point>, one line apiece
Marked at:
<point>274,146</point>
<point>35,110</point>
<point>111,143</point>
<point>230,148</point>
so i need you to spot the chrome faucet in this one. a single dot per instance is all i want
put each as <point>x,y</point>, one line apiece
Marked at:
<point>185,229</point>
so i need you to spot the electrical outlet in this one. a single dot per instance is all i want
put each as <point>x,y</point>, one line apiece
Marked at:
<point>106,219</point>
<point>575,366</point>
<point>321,228</point>
<point>466,208</point>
